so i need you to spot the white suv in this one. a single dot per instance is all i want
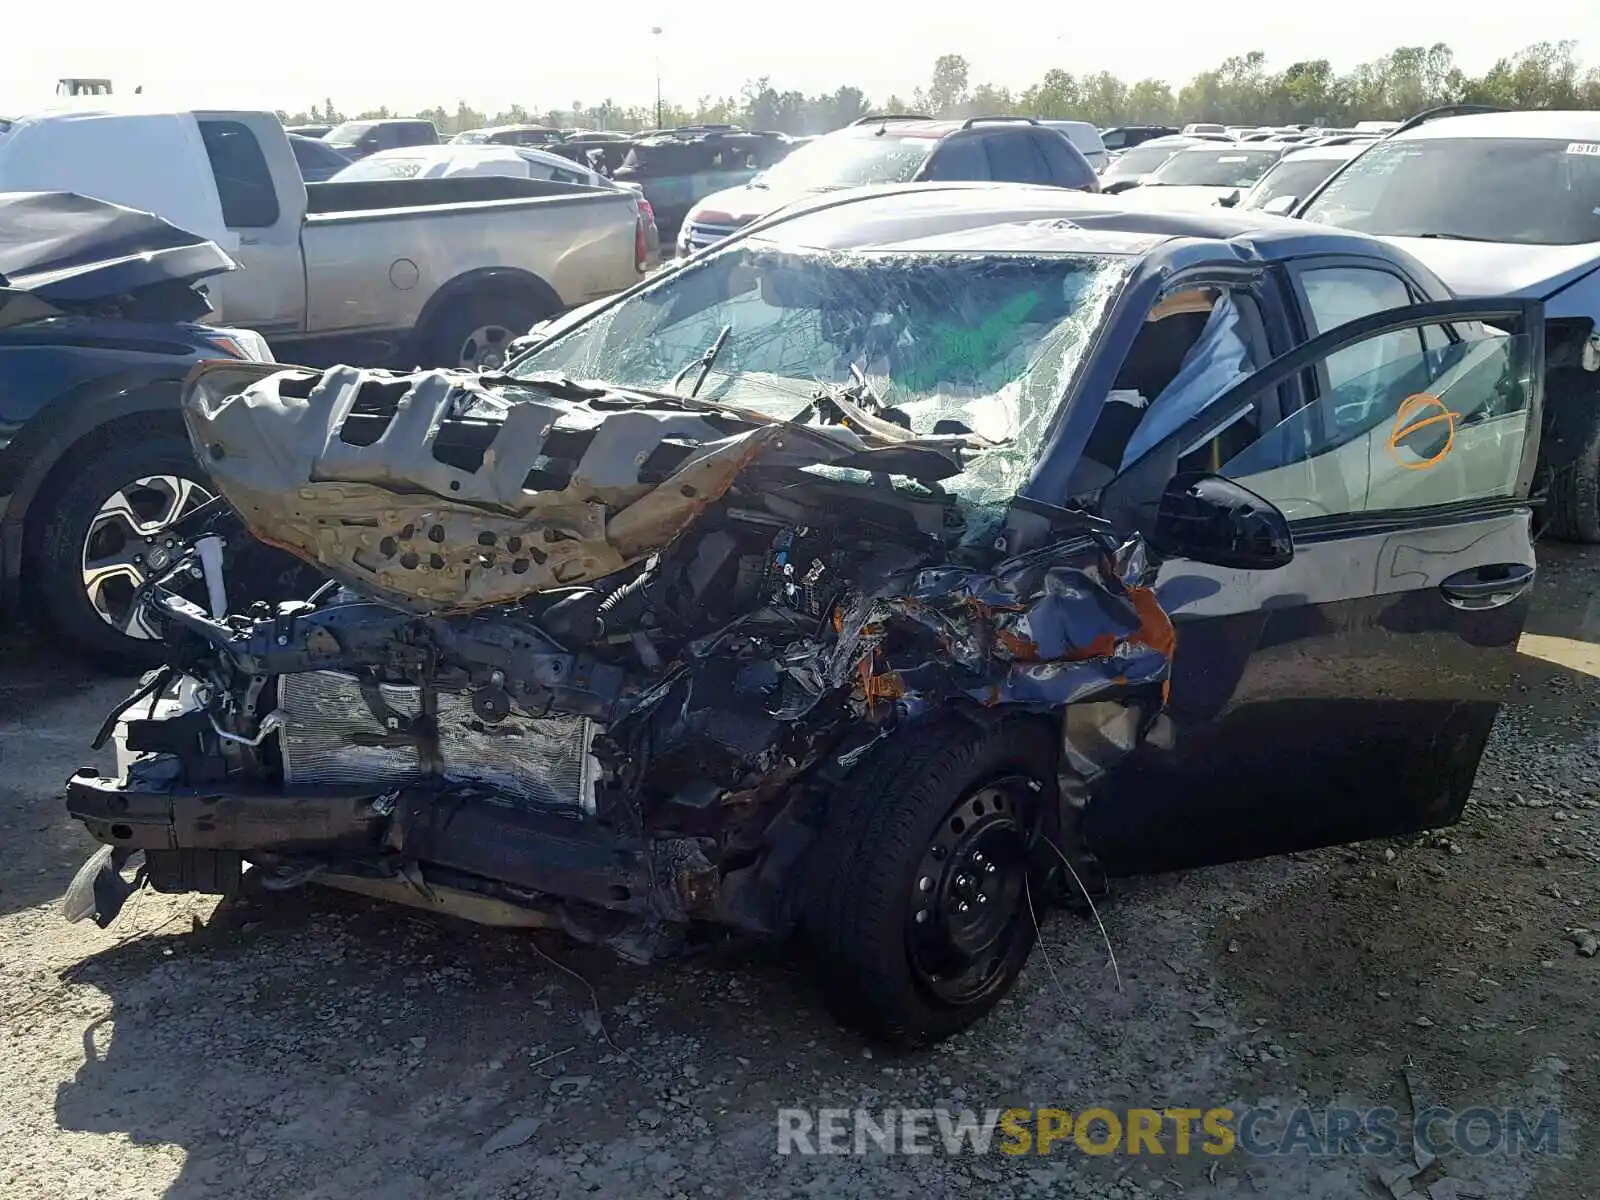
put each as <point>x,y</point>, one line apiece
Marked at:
<point>1498,204</point>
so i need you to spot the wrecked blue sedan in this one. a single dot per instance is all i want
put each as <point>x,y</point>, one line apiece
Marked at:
<point>913,559</point>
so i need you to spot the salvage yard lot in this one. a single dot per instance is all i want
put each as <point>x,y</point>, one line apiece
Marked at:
<point>312,1044</point>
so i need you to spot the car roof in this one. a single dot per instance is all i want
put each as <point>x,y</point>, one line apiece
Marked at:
<point>687,135</point>
<point>1578,126</point>
<point>444,151</point>
<point>1176,141</point>
<point>1006,218</point>
<point>1204,147</point>
<point>548,158</point>
<point>376,121</point>
<point>1331,153</point>
<point>938,127</point>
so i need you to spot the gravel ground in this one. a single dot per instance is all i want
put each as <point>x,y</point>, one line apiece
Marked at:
<point>317,1045</point>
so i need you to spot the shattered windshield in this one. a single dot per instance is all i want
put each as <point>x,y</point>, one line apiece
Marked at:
<point>947,342</point>
<point>1533,191</point>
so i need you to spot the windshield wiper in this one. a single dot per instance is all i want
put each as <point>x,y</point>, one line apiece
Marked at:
<point>704,362</point>
<point>1448,237</point>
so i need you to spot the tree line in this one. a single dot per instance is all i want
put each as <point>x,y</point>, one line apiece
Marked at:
<point>1242,90</point>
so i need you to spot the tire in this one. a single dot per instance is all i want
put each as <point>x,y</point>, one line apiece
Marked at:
<point>461,324</point>
<point>1572,507</point>
<point>877,866</point>
<point>108,463</point>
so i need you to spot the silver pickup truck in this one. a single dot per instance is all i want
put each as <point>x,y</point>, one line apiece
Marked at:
<point>436,272</point>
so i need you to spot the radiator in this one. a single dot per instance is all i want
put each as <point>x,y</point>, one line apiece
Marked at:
<point>542,762</point>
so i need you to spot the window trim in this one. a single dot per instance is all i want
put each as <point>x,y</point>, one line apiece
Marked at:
<point>218,124</point>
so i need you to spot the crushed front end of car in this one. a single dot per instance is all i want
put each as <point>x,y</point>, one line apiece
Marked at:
<point>631,665</point>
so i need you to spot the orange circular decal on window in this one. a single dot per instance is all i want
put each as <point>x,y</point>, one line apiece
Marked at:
<point>1422,419</point>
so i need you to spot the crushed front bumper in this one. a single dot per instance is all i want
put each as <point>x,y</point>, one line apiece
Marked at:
<point>553,856</point>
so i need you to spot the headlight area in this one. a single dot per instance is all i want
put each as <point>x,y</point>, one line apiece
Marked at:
<point>245,344</point>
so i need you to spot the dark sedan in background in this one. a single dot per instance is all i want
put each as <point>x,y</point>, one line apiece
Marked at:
<point>100,311</point>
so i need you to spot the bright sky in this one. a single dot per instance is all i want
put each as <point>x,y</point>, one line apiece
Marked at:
<point>364,53</point>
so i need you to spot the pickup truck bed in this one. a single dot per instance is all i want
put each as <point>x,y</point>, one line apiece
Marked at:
<point>387,272</point>
<point>351,310</point>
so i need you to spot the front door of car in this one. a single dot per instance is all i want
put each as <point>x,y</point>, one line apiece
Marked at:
<point>1349,694</point>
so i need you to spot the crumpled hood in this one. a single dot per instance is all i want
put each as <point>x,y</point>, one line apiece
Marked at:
<point>1501,268</point>
<point>447,491</point>
<point>64,248</point>
<point>1174,196</point>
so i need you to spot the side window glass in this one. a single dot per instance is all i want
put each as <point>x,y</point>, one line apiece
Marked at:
<point>1337,295</point>
<point>1013,157</point>
<point>1415,430</point>
<point>960,158</point>
<point>1067,167</point>
<point>1195,345</point>
<point>244,182</point>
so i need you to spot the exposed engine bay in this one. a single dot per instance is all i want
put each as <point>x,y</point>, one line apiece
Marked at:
<point>586,658</point>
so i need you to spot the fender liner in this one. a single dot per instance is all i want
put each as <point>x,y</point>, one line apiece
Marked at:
<point>483,279</point>
<point>80,412</point>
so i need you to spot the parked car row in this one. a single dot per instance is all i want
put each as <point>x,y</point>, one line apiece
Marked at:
<point>882,149</point>
<point>671,168</point>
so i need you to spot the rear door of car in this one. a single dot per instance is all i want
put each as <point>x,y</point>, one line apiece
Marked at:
<point>1349,694</point>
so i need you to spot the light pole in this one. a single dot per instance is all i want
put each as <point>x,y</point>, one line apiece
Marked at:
<point>655,33</point>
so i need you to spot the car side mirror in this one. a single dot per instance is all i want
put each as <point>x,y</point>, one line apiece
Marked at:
<point>1230,199</point>
<point>1280,206</point>
<point>1214,520</point>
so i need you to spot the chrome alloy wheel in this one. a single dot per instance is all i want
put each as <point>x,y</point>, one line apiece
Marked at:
<point>486,348</point>
<point>127,542</point>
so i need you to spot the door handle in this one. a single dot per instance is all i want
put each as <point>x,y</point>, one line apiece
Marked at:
<point>1487,587</point>
<point>249,241</point>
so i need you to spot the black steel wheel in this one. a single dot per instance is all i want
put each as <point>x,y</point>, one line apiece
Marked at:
<point>969,904</point>
<point>927,874</point>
